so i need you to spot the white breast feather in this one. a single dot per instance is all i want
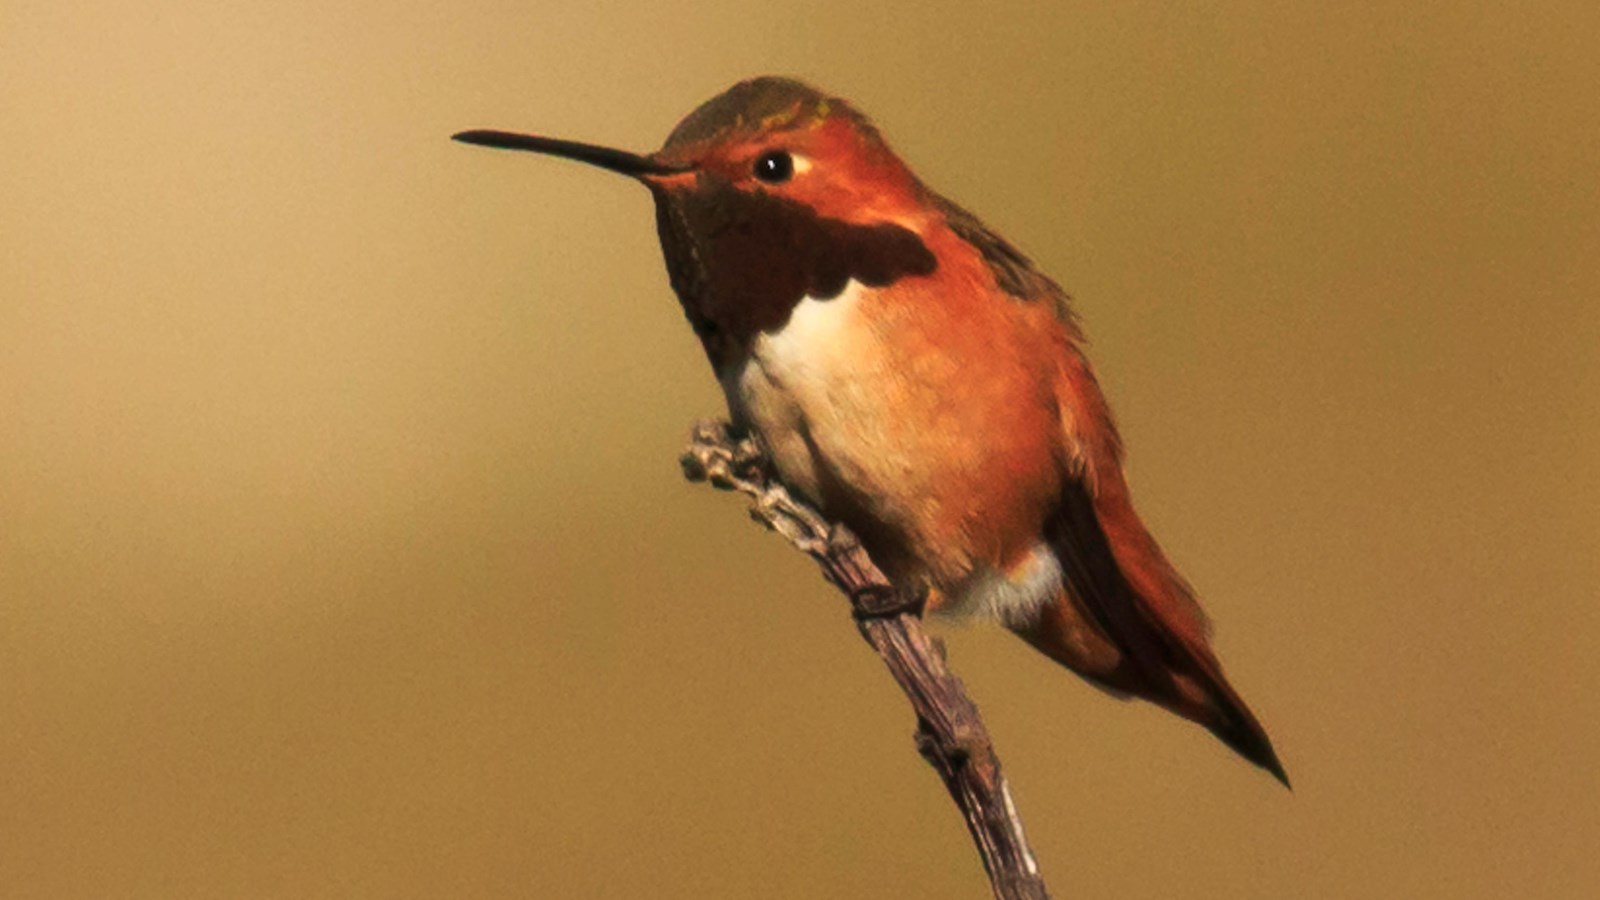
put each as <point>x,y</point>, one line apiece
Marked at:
<point>812,342</point>
<point>798,380</point>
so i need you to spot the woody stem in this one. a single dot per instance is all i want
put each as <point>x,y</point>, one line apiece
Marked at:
<point>950,733</point>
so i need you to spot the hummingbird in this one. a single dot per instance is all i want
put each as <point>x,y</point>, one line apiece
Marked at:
<point>912,374</point>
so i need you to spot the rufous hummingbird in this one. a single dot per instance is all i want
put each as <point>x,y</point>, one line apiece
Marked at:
<point>913,375</point>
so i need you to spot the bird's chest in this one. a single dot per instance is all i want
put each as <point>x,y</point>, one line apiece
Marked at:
<point>894,414</point>
<point>812,390</point>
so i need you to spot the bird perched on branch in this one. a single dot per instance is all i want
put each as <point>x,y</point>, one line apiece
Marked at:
<point>914,376</point>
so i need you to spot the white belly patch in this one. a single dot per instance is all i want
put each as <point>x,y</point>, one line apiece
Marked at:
<point>1010,598</point>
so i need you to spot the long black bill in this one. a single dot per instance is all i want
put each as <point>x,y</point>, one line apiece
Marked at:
<point>604,157</point>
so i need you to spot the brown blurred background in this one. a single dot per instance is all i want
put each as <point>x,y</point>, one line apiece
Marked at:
<point>343,551</point>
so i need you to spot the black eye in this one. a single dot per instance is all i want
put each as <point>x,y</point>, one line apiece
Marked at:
<point>775,167</point>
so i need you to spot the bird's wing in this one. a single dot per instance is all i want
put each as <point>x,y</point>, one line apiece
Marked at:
<point>1113,569</point>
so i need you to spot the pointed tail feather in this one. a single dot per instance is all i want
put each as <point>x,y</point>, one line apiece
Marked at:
<point>1238,728</point>
<point>1127,621</point>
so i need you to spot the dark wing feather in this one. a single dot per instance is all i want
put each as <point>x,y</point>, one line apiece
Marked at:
<point>1112,565</point>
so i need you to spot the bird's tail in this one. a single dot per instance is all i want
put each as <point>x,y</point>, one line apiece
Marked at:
<point>1127,621</point>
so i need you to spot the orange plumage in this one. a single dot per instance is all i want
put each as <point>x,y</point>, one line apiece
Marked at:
<point>914,376</point>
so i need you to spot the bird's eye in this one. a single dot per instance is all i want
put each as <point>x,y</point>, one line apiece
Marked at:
<point>775,167</point>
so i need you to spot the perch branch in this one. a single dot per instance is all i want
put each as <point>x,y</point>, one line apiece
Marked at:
<point>950,734</point>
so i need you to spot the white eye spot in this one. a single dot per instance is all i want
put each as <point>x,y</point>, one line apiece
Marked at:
<point>802,164</point>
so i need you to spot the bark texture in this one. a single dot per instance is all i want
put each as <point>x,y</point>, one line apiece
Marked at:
<point>950,733</point>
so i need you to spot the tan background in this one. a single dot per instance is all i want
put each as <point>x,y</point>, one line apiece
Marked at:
<point>343,551</point>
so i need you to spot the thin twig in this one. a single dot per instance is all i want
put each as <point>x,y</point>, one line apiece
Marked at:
<point>950,733</point>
